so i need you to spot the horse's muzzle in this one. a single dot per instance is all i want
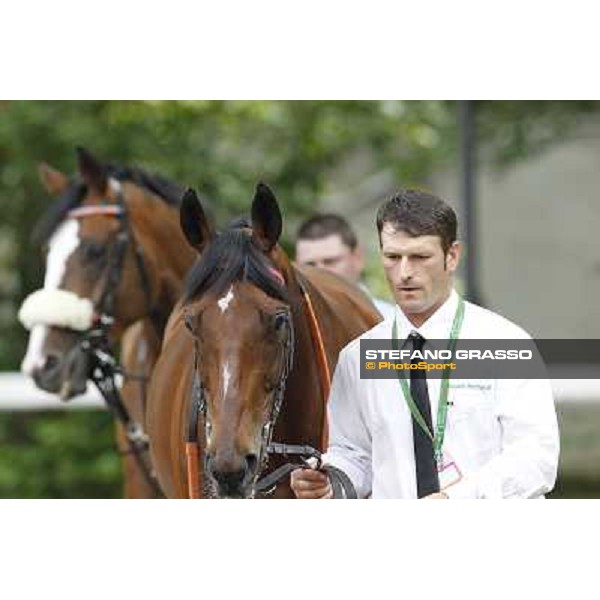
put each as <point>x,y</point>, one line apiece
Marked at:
<point>65,375</point>
<point>233,481</point>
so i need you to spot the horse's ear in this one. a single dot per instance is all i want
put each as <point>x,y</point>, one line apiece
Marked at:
<point>266,218</point>
<point>54,181</point>
<point>92,171</point>
<point>194,223</point>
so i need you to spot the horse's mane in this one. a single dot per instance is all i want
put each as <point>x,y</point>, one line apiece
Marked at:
<point>232,256</point>
<point>167,190</point>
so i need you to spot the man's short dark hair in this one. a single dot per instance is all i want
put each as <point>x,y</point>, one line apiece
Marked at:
<point>419,213</point>
<point>322,226</point>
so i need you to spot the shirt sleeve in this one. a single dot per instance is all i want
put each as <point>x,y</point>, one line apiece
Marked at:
<point>349,436</point>
<point>527,464</point>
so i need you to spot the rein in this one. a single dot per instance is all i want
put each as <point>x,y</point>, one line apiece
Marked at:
<point>301,454</point>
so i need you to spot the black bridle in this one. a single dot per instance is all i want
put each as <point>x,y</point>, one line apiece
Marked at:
<point>297,455</point>
<point>95,341</point>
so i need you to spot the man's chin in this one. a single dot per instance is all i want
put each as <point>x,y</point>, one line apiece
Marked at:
<point>411,306</point>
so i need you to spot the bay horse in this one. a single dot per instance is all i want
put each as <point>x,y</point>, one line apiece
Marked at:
<point>244,335</point>
<point>116,260</point>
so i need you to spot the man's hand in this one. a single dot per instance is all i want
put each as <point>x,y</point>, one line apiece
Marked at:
<point>309,484</point>
<point>437,496</point>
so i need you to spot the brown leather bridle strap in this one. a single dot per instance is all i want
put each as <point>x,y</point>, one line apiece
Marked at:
<point>322,362</point>
<point>192,455</point>
<point>108,210</point>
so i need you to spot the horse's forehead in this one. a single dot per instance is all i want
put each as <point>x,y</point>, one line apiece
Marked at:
<point>234,313</point>
<point>224,301</point>
<point>98,226</point>
<point>62,244</point>
<point>230,310</point>
<point>242,299</point>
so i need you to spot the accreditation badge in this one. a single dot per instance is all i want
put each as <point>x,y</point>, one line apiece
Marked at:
<point>448,472</point>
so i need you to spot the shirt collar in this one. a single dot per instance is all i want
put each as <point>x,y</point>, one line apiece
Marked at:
<point>438,325</point>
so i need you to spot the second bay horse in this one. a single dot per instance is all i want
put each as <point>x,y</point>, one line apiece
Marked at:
<point>116,257</point>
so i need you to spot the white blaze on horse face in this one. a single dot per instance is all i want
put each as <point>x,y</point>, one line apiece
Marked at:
<point>62,244</point>
<point>34,358</point>
<point>226,378</point>
<point>226,300</point>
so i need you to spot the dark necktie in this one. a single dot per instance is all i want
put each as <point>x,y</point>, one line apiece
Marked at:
<point>425,466</point>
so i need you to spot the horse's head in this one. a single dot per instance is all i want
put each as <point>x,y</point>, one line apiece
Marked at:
<point>237,310</point>
<point>95,276</point>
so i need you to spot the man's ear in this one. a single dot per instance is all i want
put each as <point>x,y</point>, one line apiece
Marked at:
<point>55,182</point>
<point>195,226</point>
<point>266,218</point>
<point>359,260</point>
<point>452,258</point>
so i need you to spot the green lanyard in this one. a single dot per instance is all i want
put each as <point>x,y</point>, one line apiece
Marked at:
<point>442,414</point>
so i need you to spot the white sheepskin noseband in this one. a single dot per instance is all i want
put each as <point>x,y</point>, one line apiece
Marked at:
<point>58,308</point>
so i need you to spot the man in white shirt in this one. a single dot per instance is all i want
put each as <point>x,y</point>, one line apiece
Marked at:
<point>328,242</point>
<point>500,438</point>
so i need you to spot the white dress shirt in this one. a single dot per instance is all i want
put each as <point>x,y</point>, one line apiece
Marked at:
<point>502,434</point>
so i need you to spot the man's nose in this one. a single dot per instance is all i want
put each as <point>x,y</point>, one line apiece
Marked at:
<point>405,269</point>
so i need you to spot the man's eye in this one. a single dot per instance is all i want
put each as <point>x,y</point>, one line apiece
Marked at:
<point>331,262</point>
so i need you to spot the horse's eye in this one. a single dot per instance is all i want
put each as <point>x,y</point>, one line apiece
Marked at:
<point>189,323</point>
<point>92,252</point>
<point>280,322</point>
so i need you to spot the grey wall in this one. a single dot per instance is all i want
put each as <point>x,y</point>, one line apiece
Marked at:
<point>538,229</point>
<point>539,240</point>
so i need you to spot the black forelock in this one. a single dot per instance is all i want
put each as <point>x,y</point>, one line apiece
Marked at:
<point>231,257</point>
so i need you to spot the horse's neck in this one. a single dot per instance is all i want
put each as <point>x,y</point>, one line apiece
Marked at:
<point>303,413</point>
<point>162,242</point>
<point>341,313</point>
<point>323,314</point>
<point>163,234</point>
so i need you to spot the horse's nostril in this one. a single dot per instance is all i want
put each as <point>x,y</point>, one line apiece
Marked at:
<point>51,362</point>
<point>251,463</point>
<point>47,375</point>
<point>229,479</point>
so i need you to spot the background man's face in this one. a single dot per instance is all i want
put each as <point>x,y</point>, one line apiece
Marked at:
<point>415,270</point>
<point>332,254</point>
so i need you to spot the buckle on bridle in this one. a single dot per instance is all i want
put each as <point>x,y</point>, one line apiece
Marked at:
<point>136,435</point>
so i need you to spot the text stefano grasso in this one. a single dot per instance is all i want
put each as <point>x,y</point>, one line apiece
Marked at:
<point>498,354</point>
